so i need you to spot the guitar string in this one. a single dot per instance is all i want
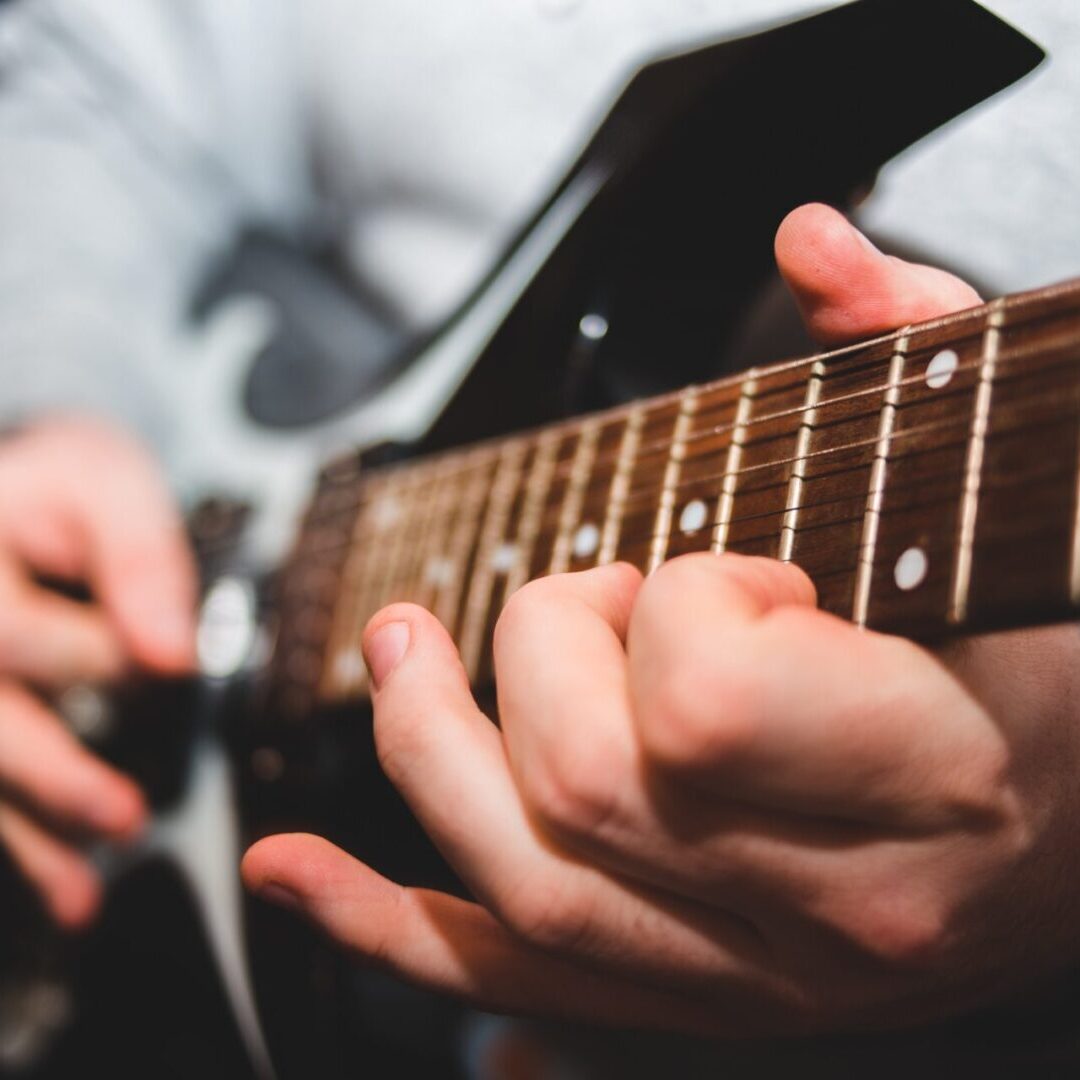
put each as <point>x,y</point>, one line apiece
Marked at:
<point>645,493</point>
<point>841,555</point>
<point>443,467</point>
<point>662,448</point>
<point>1065,471</point>
<point>1066,296</point>
<point>959,424</point>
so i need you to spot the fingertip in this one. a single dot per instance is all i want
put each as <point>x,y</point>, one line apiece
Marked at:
<point>123,814</point>
<point>75,901</point>
<point>401,631</point>
<point>847,289</point>
<point>301,860</point>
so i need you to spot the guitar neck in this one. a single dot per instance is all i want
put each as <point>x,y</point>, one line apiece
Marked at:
<point>926,481</point>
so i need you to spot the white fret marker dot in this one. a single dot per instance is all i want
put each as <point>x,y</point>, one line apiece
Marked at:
<point>941,369</point>
<point>693,518</point>
<point>386,513</point>
<point>439,572</point>
<point>349,667</point>
<point>586,541</point>
<point>911,569</point>
<point>504,558</point>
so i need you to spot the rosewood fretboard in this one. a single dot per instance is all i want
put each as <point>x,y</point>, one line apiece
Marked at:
<point>927,481</point>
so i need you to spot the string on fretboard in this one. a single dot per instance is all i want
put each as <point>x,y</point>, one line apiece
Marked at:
<point>926,481</point>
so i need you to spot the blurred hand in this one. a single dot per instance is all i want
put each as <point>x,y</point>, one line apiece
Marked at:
<point>79,503</point>
<point>714,807</point>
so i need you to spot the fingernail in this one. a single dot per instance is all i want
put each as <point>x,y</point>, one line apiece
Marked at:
<point>277,894</point>
<point>385,649</point>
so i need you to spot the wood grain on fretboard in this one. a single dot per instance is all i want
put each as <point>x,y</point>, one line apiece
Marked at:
<point>926,481</point>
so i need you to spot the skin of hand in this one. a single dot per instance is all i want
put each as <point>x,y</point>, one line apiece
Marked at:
<point>712,807</point>
<point>79,502</point>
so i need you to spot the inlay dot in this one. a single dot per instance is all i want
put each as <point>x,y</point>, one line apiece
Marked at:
<point>386,513</point>
<point>940,371</point>
<point>439,572</point>
<point>586,541</point>
<point>694,517</point>
<point>504,558</point>
<point>911,569</point>
<point>349,667</point>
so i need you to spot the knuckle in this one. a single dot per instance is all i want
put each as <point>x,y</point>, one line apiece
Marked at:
<point>570,788</point>
<point>687,722</point>
<point>903,930</point>
<point>523,612</point>
<point>540,912</point>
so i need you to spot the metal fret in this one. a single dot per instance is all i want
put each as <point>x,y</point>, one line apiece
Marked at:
<point>433,569</point>
<point>969,511</point>
<point>571,509</point>
<point>725,507</point>
<point>662,529</point>
<point>532,511</point>
<point>343,665</point>
<point>876,497</point>
<point>798,468</point>
<point>620,486</point>
<point>478,602</point>
<point>461,542</point>
<point>372,557</point>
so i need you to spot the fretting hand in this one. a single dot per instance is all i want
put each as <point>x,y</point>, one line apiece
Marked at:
<point>712,807</point>
<point>81,503</point>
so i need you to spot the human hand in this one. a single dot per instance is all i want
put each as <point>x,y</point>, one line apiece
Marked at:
<point>79,503</point>
<point>715,808</point>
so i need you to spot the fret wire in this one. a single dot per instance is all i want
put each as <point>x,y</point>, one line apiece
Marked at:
<point>646,494</point>
<point>620,486</point>
<point>986,386</point>
<point>908,434</point>
<point>852,551</point>
<point>1009,357</point>
<point>433,564</point>
<point>465,529</point>
<point>726,504</point>
<point>798,468</point>
<point>973,470</point>
<point>898,489</point>
<point>413,584</point>
<point>1016,305</point>
<point>536,493</point>
<point>478,601</point>
<point>662,533</point>
<point>875,498</point>
<point>343,663</point>
<point>660,448</point>
<point>395,511</point>
<point>571,508</point>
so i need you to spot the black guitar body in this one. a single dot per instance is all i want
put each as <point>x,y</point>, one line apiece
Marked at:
<point>657,280</point>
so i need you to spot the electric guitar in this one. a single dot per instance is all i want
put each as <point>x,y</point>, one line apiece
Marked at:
<point>927,481</point>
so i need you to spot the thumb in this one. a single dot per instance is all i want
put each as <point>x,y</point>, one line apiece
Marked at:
<point>847,289</point>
